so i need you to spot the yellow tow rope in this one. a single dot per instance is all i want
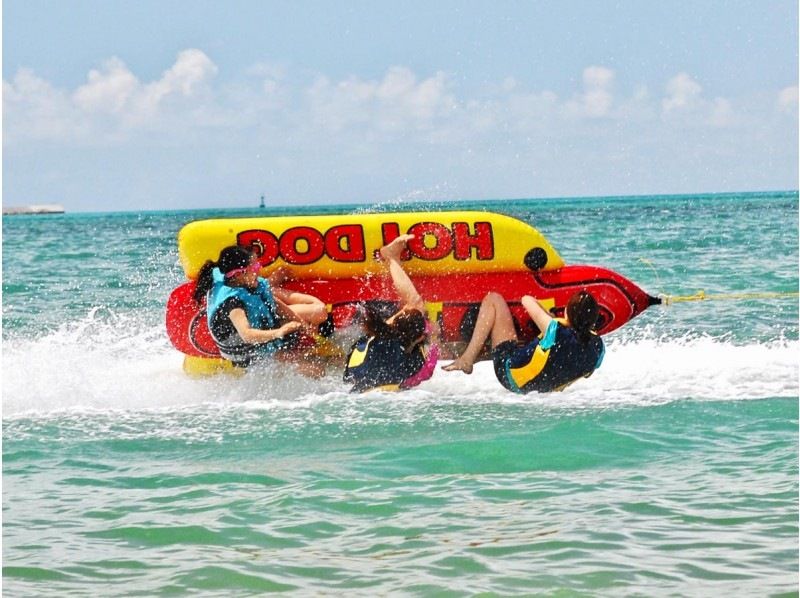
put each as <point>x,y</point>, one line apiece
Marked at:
<point>701,296</point>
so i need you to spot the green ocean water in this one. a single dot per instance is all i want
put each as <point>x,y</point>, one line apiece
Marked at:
<point>672,471</point>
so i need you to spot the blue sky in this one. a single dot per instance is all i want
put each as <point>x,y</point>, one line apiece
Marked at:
<point>122,105</point>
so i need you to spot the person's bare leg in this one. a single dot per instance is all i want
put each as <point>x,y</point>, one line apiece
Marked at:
<point>308,308</point>
<point>394,249</point>
<point>311,313</point>
<point>494,318</point>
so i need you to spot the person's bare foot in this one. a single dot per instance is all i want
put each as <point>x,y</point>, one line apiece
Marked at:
<point>395,248</point>
<point>458,366</point>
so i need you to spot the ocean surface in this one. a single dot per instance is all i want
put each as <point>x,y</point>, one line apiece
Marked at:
<point>673,471</point>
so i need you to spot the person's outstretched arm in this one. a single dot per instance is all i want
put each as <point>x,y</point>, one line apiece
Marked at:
<point>409,297</point>
<point>540,316</point>
<point>252,335</point>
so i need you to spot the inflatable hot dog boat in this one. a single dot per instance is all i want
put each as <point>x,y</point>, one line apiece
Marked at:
<point>454,259</point>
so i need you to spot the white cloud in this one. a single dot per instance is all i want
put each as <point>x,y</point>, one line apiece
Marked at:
<point>597,99</point>
<point>722,113</point>
<point>597,77</point>
<point>639,107</point>
<point>396,129</point>
<point>788,100</point>
<point>32,108</point>
<point>682,92</point>
<point>396,112</point>
<point>190,71</point>
<point>509,84</point>
<point>272,91</point>
<point>530,111</point>
<point>185,79</point>
<point>267,70</point>
<point>111,101</point>
<point>108,90</point>
<point>395,103</point>
<point>684,105</point>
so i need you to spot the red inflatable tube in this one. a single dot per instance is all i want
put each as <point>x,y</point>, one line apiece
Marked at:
<point>453,299</point>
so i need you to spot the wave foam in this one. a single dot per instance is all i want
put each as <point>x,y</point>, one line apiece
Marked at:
<point>110,362</point>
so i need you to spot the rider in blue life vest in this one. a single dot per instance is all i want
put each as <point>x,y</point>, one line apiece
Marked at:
<point>248,317</point>
<point>397,352</point>
<point>565,351</point>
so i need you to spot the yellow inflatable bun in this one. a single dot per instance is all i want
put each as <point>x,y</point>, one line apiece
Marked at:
<point>209,366</point>
<point>344,246</point>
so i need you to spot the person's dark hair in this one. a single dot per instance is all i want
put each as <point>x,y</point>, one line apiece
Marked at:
<point>230,258</point>
<point>582,314</point>
<point>407,327</point>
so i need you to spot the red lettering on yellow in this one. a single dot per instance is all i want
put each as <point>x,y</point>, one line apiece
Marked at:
<point>389,231</point>
<point>345,243</point>
<point>439,233</point>
<point>302,245</point>
<point>292,241</point>
<point>481,241</point>
<point>262,243</point>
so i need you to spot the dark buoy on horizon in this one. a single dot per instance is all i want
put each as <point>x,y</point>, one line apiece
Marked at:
<point>261,205</point>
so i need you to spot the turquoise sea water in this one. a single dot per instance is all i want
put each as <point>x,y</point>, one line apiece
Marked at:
<point>672,471</point>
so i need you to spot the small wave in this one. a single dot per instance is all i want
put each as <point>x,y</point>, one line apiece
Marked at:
<point>109,361</point>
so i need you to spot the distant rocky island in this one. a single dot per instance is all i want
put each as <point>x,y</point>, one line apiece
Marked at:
<point>45,208</point>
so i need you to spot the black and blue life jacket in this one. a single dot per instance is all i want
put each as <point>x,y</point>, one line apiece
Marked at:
<point>261,310</point>
<point>381,363</point>
<point>553,361</point>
